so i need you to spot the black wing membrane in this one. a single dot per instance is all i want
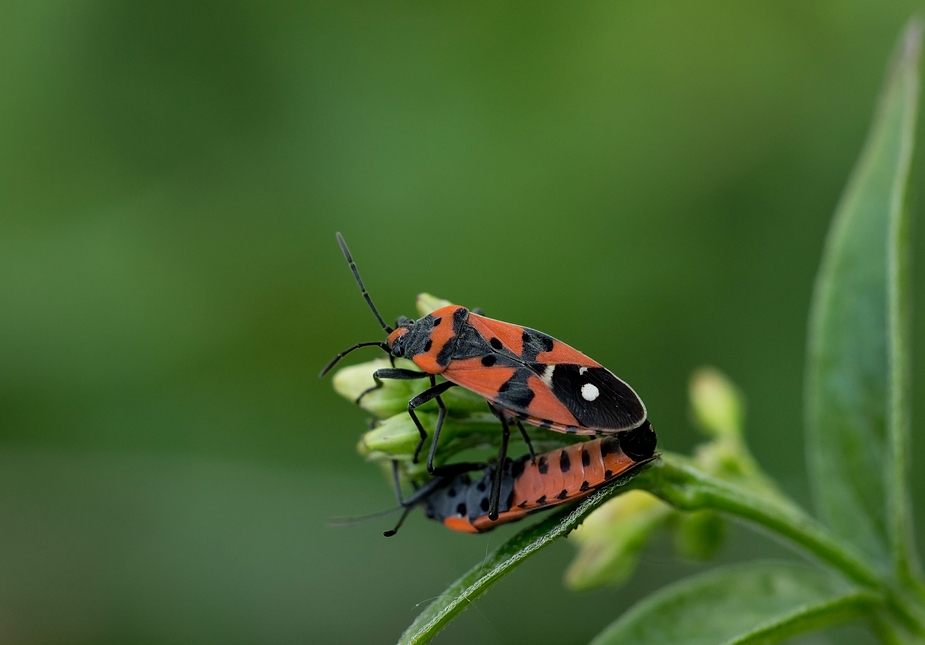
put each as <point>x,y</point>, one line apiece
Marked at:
<point>596,397</point>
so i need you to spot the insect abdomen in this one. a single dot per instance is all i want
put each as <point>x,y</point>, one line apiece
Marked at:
<point>555,478</point>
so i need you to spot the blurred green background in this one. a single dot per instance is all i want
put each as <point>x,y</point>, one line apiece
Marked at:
<point>649,181</point>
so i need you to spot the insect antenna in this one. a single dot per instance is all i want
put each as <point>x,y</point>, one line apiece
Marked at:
<point>339,522</point>
<point>334,360</point>
<point>356,274</point>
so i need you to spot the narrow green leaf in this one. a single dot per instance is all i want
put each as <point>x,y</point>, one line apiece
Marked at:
<point>899,287</point>
<point>745,604</point>
<point>855,378</point>
<point>477,580</point>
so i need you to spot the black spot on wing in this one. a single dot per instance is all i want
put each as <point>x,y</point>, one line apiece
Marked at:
<point>616,406</point>
<point>445,355</point>
<point>469,343</point>
<point>466,343</point>
<point>535,342</point>
<point>514,394</point>
<point>460,316</point>
<point>495,343</point>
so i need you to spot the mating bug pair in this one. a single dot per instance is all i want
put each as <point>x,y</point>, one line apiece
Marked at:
<point>524,375</point>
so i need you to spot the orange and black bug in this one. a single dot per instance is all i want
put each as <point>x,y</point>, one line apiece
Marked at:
<point>562,476</point>
<point>524,375</point>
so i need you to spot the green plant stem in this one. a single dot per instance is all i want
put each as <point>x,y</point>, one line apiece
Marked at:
<point>687,488</point>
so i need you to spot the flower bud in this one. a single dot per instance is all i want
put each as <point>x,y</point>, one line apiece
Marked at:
<point>610,539</point>
<point>427,303</point>
<point>394,438</point>
<point>351,382</point>
<point>699,534</point>
<point>716,404</point>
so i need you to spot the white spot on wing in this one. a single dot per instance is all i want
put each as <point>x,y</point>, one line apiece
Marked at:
<point>589,392</point>
<point>582,370</point>
<point>546,376</point>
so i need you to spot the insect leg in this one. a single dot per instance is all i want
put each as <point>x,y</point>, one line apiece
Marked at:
<point>396,373</point>
<point>396,481</point>
<point>409,503</point>
<point>523,433</point>
<point>426,490</point>
<point>401,520</point>
<point>431,393</point>
<point>495,496</point>
<point>441,416</point>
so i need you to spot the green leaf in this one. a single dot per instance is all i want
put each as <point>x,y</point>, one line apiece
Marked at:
<point>752,603</point>
<point>856,366</point>
<point>899,288</point>
<point>477,580</point>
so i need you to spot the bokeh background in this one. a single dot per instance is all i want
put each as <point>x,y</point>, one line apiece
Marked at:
<point>649,181</point>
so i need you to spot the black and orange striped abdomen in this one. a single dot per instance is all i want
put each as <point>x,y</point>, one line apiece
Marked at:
<point>557,477</point>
